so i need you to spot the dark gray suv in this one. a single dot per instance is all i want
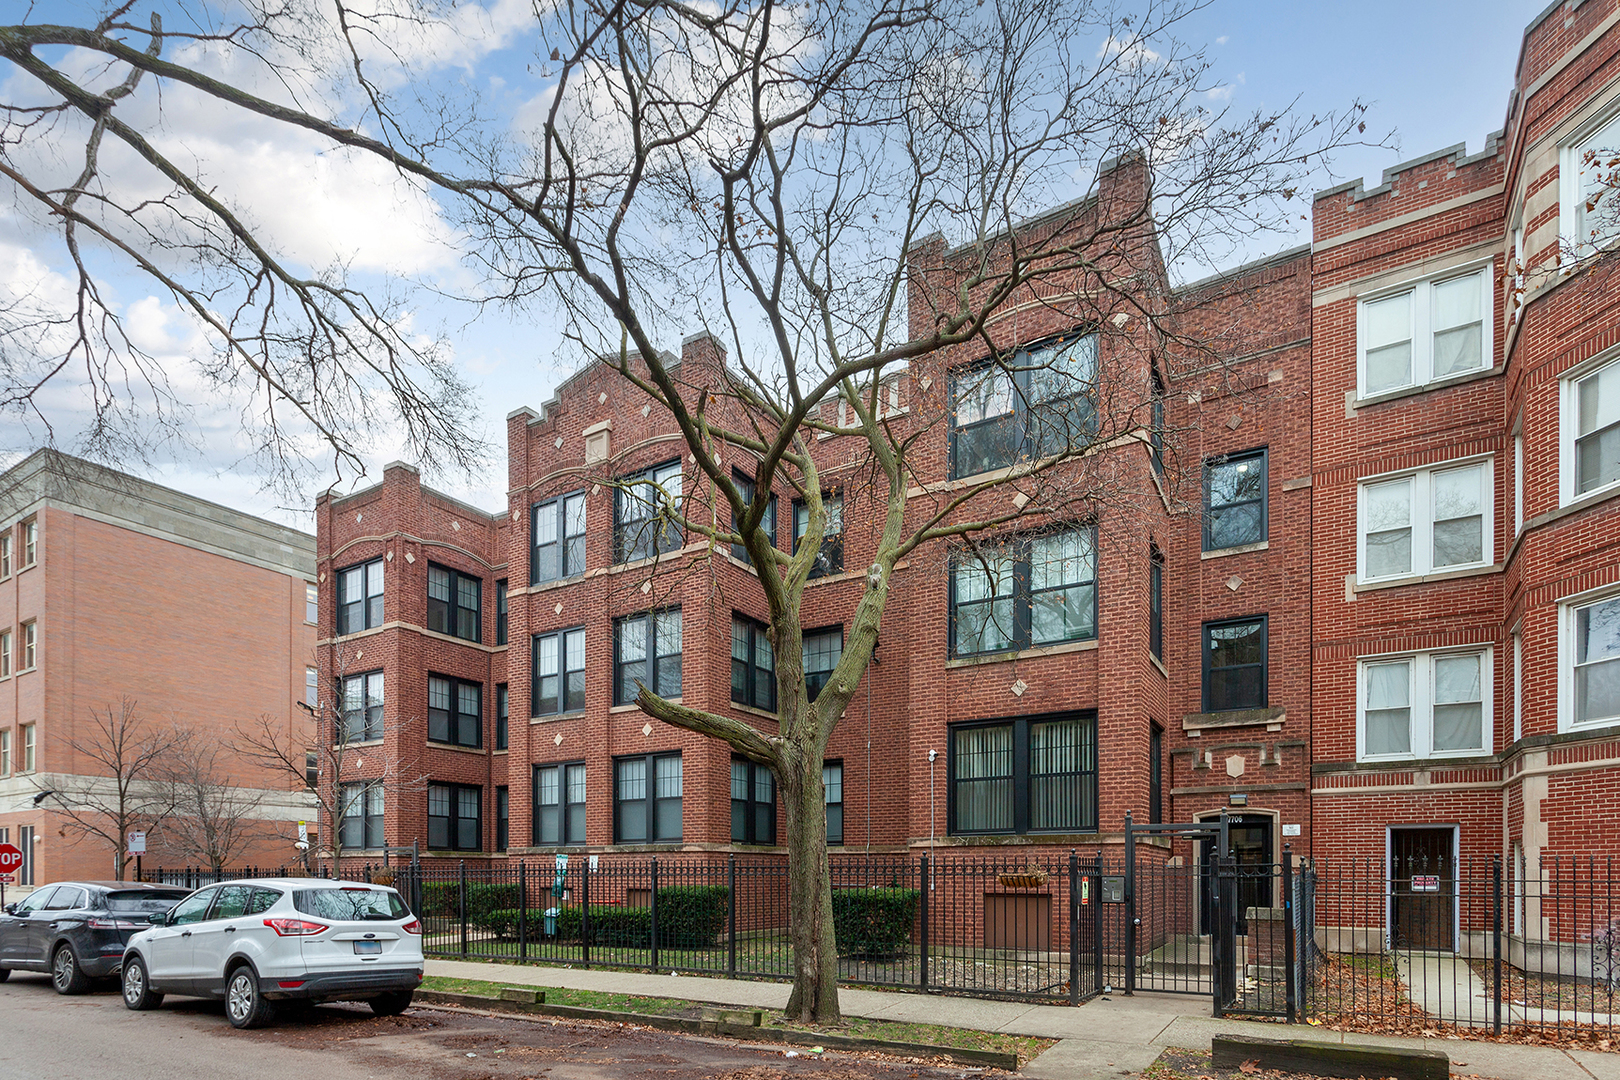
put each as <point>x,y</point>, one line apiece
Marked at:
<point>77,930</point>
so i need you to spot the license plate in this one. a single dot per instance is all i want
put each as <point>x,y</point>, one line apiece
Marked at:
<point>368,948</point>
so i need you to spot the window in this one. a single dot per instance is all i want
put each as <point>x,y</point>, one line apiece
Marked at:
<point>5,555</point>
<point>500,612</point>
<point>832,786</point>
<point>557,529</point>
<point>455,603</point>
<point>1424,705</point>
<point>1036,404</point>
<point>5,751</point>
<point>1591,657</point>
<point>767,523</point>
<point>312,769</point>
<point>1425,332</point>
<point>360,597</point>
<point>559,672</point>
<point>1590,213</point>
<point>822,651</point>
<point>647,651</point>
<point>1156,425</point>
<point>1235,500</point>
<point>753,665</point>
<point>455,711</point>
<point>5,653</point>
<point>644,514</point>
<point>312,603</point>
<point>363,707</point>
<point>1235,664</point>
<point>1518,483</point>
<point>27,748</point>
<point>753,803</point>
<point>830,558</point>
<point>455,817</point>
<point>1518,686</point>
<point>30,532</point>
<point>1426,522</point>
<point>312,687</point>
<point>501,717</point>
<point>25,841</point>
<point>1033,774</point>
<point>362,817</point>
<point>1156,603</point>
<point>503,816</point>
<point>1591,450</point>
<point>1155,774</point>
<point>647,799</point>
<point>1039,591</point>
<point>559,804</point>
<point>30,645</point>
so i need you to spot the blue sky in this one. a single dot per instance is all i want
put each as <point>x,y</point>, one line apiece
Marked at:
<point>1438,73</point>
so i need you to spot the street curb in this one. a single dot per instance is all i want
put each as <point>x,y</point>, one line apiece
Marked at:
<point>1330,1059</point>
<point>994,1059</point>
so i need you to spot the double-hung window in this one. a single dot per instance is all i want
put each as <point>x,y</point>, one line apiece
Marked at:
<point>1425,332</point>
<point>360,597</point>
<point>5,555</point>
<point>455,817</point>
<point>830,558</point>
<point>647,799</point>
<point>30,543</point>
<point>559,672</point>
<point>753,665</point>
<point>29,746</point>
<point>644,513</point>
<point>1037,403</point>
<point>312,603</point>
<point>1589,664</point>
<point>822,651</point>
<point>455,603</point>
<point>557,529</point>
<point>1426,522</point>
<point>1156,603</point>
<point>455,711</point>
<point>1424,705</point>
<point>559,804</point>
<point>768,523</point>
<point>503,816</point>
<point>5,754</point>
<point>503,715</point>
<point>502,612</point>
<point>1036,591</point>
<point>1591,443</point>
<point>30,645</point>
<point>1031,774</point>
<point>753,803</point>
<point>1589,179</point>
<point>5,654</point>
<point>362,818</point>
<point>1235,664</point>
<point>363,707</point>
<point>832,788</point>
<point>647,652</point>
<point>1235,500</point>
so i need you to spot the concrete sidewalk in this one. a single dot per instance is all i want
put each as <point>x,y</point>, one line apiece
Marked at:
<point>1107,1037</point>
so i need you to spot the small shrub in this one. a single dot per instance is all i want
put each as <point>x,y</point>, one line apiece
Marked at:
<point>874,924</point>
<point>443,898</point>
<point>691,916</point>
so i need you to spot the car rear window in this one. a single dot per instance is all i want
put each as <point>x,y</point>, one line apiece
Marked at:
<point>143,900</point>
<point>344,905</point>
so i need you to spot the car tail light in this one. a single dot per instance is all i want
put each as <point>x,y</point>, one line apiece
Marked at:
<point>413,927</point>
<point>291,984</point>
<point>295,927</point>
<point>96,923</point>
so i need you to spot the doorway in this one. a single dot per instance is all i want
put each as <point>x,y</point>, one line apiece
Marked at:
<point>1423,888</point>
<point>1251,838</point>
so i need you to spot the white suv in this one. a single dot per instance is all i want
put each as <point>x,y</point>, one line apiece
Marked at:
<point>257,942</point>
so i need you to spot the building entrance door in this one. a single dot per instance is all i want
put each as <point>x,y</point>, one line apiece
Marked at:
<point>1250,837</point>
<point>1423,888</point>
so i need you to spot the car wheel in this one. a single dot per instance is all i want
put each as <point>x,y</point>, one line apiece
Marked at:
<point>391,1004</point>
<point>5,973</point>
<point>245,1007</point>
<point>138,992</point>
<point>65,973</point>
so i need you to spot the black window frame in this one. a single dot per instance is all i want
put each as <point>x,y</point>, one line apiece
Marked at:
<point>1022,595</point>
<point>815,680</point>
<point>503,716</point>
<point>468,622</point>
<point>754,813</point>
<point>758,684</point>
<point>649,802</point>
<point>1156,604</point>
<point>830,558</point>
<point>370,605</point>
<point>834,838</point>
<point>746,485</point>
<point>570,547</point>
<point>454,819</point>
<point>371,722</point>
<point>1261,454</point>
<point>1020,776</point>
<point>570,695</point>
<point>1024,434</point>
<point>361,790</point>
<point>1155,774</point>
<point>1207,667</point>
<point>655,665</point>
<point>567,833</point>
<point>454,717</point>
<point>1156,423</point>
<point>503,817</point>
<point>502,611</point>
<point>656,534</point>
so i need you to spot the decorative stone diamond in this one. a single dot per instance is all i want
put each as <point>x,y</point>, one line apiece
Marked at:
<point>646,729</point>
<point>321,576</point>
<point>559,442</point>
<point>1018,688</point>
<point>359,653</point>
<point>455,525</point>
<point>409,557</point>
<point>646,587</point>
<point>1234,583</point>
<point>559,608</point>
<point>646,409</point>
<point>556,740</point>
<point>1234,421</point>
<point>595,488</point>
<point>1020,500</point>
<point>358,518</point>
<point>925,382</point>
<point>388,557</point>
<point>601,399</point>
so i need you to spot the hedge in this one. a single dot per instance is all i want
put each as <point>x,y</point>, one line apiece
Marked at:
<point>689,917</point>
<point>441,898</point>
<point>874,924</point>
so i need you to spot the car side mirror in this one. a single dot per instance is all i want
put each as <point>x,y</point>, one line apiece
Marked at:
<point>160,918</point>
<point>11,909</point>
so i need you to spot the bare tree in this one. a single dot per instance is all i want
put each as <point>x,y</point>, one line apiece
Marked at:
<point>839,191</point>
<point>122,791</point>
<point>211,818</point>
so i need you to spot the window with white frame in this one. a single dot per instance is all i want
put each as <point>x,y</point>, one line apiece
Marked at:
<point>312,687</point>
<point>312,603</point>
<point>28,746</point>
<point>1428,331</point>
<point>30,543</point>
<point>1589,666</point>
<point>1518,482</point>
<point>1589,188</point>
<point>5,555</point>
<point>1591,443</point>
<point>1424,705</point>
<point>5,751</point>
<point>1425,522</point>
<point>30,646</point>
<point>5,654</point>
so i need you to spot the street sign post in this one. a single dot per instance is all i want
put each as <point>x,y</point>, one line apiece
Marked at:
<point>136,847</point>
<point>11,858</point>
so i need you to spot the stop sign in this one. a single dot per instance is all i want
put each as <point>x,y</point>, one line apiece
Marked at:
<point>10,858</point>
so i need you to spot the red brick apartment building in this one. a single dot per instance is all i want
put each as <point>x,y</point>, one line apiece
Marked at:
<point>1389,626</point>
<point>112,588</point>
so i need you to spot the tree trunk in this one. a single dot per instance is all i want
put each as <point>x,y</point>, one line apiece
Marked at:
<point>815,949</point>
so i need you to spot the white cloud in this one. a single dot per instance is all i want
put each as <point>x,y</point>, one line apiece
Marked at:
<point>1130,52</point>
<point>1221,40</point>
